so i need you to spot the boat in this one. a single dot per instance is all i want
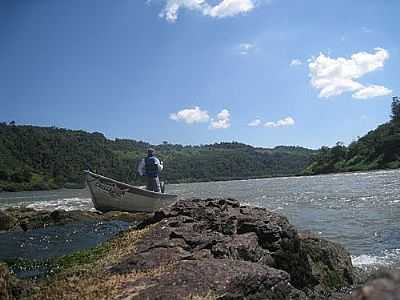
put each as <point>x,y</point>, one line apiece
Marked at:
<point>111,195</point>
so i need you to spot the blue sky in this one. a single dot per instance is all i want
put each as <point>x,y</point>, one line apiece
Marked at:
<point>302,72</point>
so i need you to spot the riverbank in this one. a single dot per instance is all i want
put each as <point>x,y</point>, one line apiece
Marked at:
<point>77,186</point>
<point>358,210</point>
<point>198,249</point>
<point>13,187</point>
<point>201,248</point>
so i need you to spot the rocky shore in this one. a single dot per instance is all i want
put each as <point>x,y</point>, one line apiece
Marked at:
<point>197,249</point>
<point>17,219</point>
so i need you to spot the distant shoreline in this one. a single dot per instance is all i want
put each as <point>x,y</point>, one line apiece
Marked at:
<point>83,186</point>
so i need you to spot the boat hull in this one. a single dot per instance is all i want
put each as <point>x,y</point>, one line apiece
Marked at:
<point>111,195</point>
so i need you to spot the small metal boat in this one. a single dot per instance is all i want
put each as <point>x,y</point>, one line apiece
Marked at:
<point>111,195</point>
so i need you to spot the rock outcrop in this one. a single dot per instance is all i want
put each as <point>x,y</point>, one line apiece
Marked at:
<point>218,247</point>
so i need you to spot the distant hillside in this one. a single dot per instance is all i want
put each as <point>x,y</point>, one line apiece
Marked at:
<point>379,149</point>
<point>35,158</point>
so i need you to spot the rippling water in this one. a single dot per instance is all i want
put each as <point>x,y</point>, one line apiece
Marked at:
<point>359,210</point>
<point>56,240</point>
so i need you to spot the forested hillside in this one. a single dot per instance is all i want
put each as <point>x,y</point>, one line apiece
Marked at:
<point>379,149</point>
<point>34,158</point>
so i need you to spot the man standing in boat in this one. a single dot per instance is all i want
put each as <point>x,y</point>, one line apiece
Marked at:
<point>151,167</point>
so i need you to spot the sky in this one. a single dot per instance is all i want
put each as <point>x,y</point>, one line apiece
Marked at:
<point>261,72</point>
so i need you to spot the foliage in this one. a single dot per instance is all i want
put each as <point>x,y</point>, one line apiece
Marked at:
<point>36,158</point>
<point>396,109</point>
<point>379,149</point>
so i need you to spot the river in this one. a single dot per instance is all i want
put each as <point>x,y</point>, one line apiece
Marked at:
<point>359,210</point>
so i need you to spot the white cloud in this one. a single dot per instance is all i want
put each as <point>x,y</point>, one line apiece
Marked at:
<point>225,8</point>
<point>245,48</point>
<point>372,91</point>
<point>288,121</point>
<point>229,8</point>
<point>222,121</point>
<point>170,11</point>
<point>366,29</point>
<point>190,115</point>
<point>296,62</point>
<point>336,76</point>
<point>255,123</point>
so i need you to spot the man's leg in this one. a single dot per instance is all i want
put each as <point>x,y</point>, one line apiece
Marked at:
<point>153,184</point>
<point>157,187</point>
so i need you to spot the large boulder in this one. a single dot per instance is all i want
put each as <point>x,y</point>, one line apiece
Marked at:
<point>318,264</point>
<point>385,287</point>
<point>226,238</point>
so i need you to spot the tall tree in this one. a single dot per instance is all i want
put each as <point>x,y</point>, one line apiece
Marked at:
<point>396,109</point>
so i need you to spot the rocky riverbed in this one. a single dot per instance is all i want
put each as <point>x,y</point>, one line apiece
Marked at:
<point>197,249</point>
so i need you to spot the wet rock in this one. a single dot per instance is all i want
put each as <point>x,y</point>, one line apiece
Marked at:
<point>218,233</point>
<point>317,264</point>
<point>7,222</point>
<point>330,263</point>
<point>385,287</point>
<point>28,219</point>
<point>61,217</point>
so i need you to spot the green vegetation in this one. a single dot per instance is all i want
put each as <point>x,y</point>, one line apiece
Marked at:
<point>41,158</point>
<point>379,149</point>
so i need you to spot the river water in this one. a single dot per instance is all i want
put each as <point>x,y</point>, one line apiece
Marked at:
<point>359,210</point>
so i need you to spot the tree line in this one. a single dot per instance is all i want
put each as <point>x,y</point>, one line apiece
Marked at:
<point>379,149</point>
<point>41,158</point>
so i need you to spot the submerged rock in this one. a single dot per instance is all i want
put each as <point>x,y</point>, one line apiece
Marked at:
<point>28,218</point>
<point>240,252</point>
<point>7,222</point>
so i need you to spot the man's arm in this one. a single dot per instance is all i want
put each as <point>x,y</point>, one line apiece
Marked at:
<point>141,167</point>
<point>159,165</point>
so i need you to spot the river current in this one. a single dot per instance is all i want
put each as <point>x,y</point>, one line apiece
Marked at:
<point>359,210</point>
